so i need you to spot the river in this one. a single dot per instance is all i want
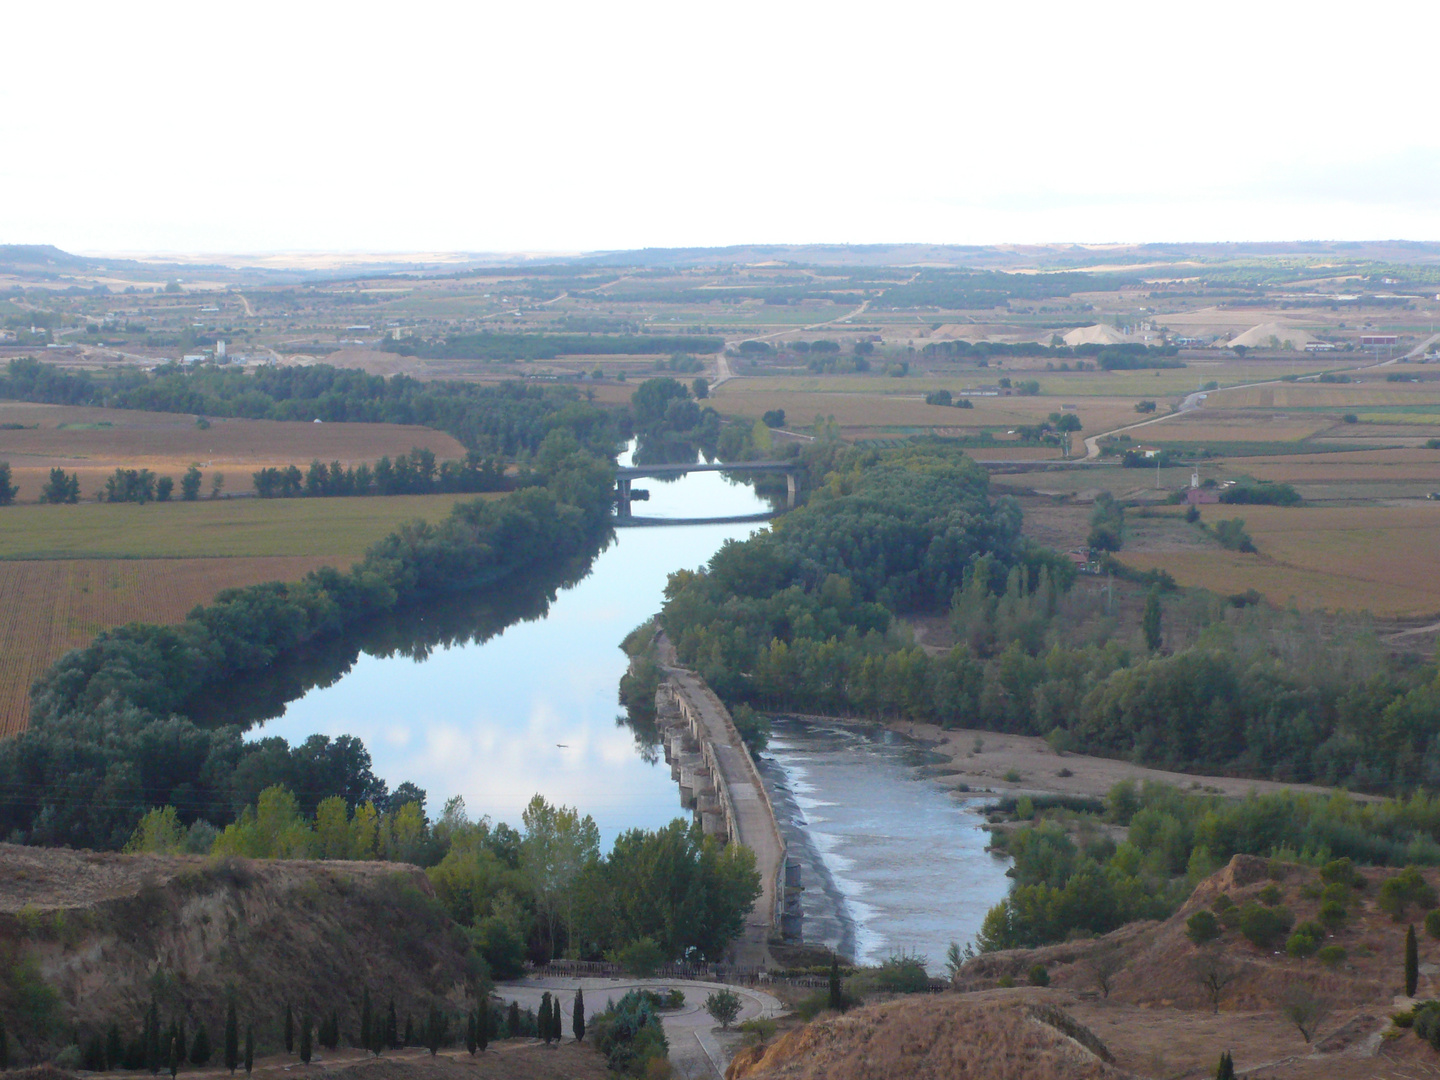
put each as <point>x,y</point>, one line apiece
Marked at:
<point>522,701</point>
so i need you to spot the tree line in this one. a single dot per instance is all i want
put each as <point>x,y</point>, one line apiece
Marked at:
<point>507,419</point>
<point>416,473</point>
<point>522,347</point>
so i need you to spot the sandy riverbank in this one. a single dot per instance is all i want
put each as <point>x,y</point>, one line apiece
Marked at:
<point>1039,767</point>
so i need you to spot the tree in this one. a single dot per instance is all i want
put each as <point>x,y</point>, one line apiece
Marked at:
<point>1151,622</point>
<point>190,485</point>
<point>289,1029</point>
<point>1226,1069</point>
<point>470,1034</point>
<point>1066,424</point>
<point>1145,406</point>
<point>1104,968</point>
<point>436,1030</point>
<point>1304,1008</point>
<point>700,388</point>
<point>482,1026</point>
<point>232,1037</point>
<point>305,1040</point>
<point>4,1046</point>
<point>200,1048</point>
<point>577,1015</point>
<point>835,1001</point>
<point>217,484</point>
<point>152,1039</point>
<point>723,1006</point>
<point>62,487</point>
<point>544,1019</point>
<point>409,1039</point>
<point>1214,974</point>
<point>512,1021</point>
<point>391,1028</point>
<point>249,1049</point>
<point>7,489</point>
<point>367,1020</point>
<point>1412,962</point>
<point>559,1019</point>
<point>557,846</point>
<point>114,1048</point>
<point>174,1055</point>
<point>163,487</point>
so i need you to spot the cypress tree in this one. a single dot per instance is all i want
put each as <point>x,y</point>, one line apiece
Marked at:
<point>114,1048</point>
<point>200,1048</point>
<point>470,1033</point>
<point>249,1049</point>
<point>180,1039</point>
<point>391,1030</point>
<point>433,1031</point>
<point>4,1046</point>
<point>305,1040</point>
<point>232,1037</point>
<point>836,999</point>
<point>1412,962</point>
<point>152,1039</point>
<point>577,1015</point>
<point>482,1026</point>
<point>513,1020</point>
<point>289,1029</point>
<point>1226,1069</point>
<point>409,1031</point>
<point>367,1037</point>
<point>174,1057</point>
<point>544,1024</point>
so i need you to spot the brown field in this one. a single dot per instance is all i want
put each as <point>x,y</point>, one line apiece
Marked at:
<point>1380,559</point>
<point>1197,426</point>
<point>50,607</point>
<point>1324,395</point>
<point>169,442</point>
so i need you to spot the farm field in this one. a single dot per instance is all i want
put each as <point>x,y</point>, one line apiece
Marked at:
<point>228,528</point>
<point>96,441</point>
<point>50,607</point>
<point>1380,559</point>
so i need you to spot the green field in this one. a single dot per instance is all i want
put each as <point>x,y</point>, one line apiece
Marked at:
<point>226,529</point>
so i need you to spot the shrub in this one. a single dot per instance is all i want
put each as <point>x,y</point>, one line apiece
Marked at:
<point>1013,776</point>
<point>723,1007</point>
<point>630,1035</point>
<point>1006,982</point>
<point>757,1030</point>
<point>1264,926</point>
<point>1432,923</point>
<point>1222,903</point>
<point>640,958</point>
<point>1306,939</point>
<point>1269,895</point>
<point>1342,872</point>
<point>1331,955</point>
<point>1333,913</point>
<point>1202,927</point>
<point>1038,975</point>
<point>903,974</point>
<point>1405,888</point>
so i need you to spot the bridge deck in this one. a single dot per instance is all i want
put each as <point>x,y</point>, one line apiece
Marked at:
<point>630,472</point>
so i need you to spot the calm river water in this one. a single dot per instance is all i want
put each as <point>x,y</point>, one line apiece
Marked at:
<point>533,709</point>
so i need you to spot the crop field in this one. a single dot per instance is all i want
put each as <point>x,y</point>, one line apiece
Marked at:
<point>48,608</point>
<point>1335,398</point>
<point>228,528</point>
<point>99,440</point>
<point>1380,559</point>
<point>1200,426</point>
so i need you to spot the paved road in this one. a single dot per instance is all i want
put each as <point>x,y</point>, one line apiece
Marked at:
<point>697,1047</point>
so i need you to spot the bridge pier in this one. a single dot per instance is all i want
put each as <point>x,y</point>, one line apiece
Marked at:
<point>789,491</point>
<point>622,497</point>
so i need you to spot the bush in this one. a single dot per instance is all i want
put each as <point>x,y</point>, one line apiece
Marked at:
<point>758,1030</point>
<point>1342,872</point>
<point>1432,924</point>
<point>1270,895</point>
<point>630,1035</point>
<point>1331,955</point>
<point>903,974</point>
<point>723,1007</point>
<point>1405,888</point>
<point>1306,939</point>
<point>1202,927</point>
<point>1232,535</point>
<point>640,959</point>
<point>1222,903</point>
<point>1038,975</point>
<point>1334,913</point>
<point>1264,926</point>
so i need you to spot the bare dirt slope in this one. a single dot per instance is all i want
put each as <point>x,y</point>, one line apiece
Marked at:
<point>90,938</point>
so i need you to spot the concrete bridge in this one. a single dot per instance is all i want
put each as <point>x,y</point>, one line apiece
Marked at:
<point>626,475</point>
<point>719,781</point>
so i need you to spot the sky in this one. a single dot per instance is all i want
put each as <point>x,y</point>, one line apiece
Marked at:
<point>561,127</point>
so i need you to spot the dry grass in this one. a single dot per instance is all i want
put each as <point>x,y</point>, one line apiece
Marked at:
<point>1198,427</point>
<point>48,608</point>
<point>1325,395</point>
<point>1381,559</point>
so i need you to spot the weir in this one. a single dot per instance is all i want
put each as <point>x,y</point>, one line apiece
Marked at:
<point>719,781</point>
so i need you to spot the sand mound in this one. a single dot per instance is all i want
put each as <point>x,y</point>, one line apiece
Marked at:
<point>1259,337</point>
<point>1009,1037</point>
<point>1099,334</point>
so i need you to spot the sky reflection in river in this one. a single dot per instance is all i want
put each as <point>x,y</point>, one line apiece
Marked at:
<point>533,709</point>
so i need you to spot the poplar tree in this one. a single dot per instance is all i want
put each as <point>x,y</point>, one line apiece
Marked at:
<point>200,1048</point>
<point>114,1048</point>
<point>1412,962</point>
<point>305,1040</point>
<point>577,1015</point>
<point>836,999</point>
<point>544,1018</point>
<point>174,1057</point>
<point>232,1037</point>
<point>433,1031</point>
<point>249,1049</point>
<point>470,1033</point>
<point>482,1026</point>
<point>289,1029</point>
<point>409,1031</point>
<point>514,1020</point>
<point>152,1039</point>
<point>392,1031</point>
